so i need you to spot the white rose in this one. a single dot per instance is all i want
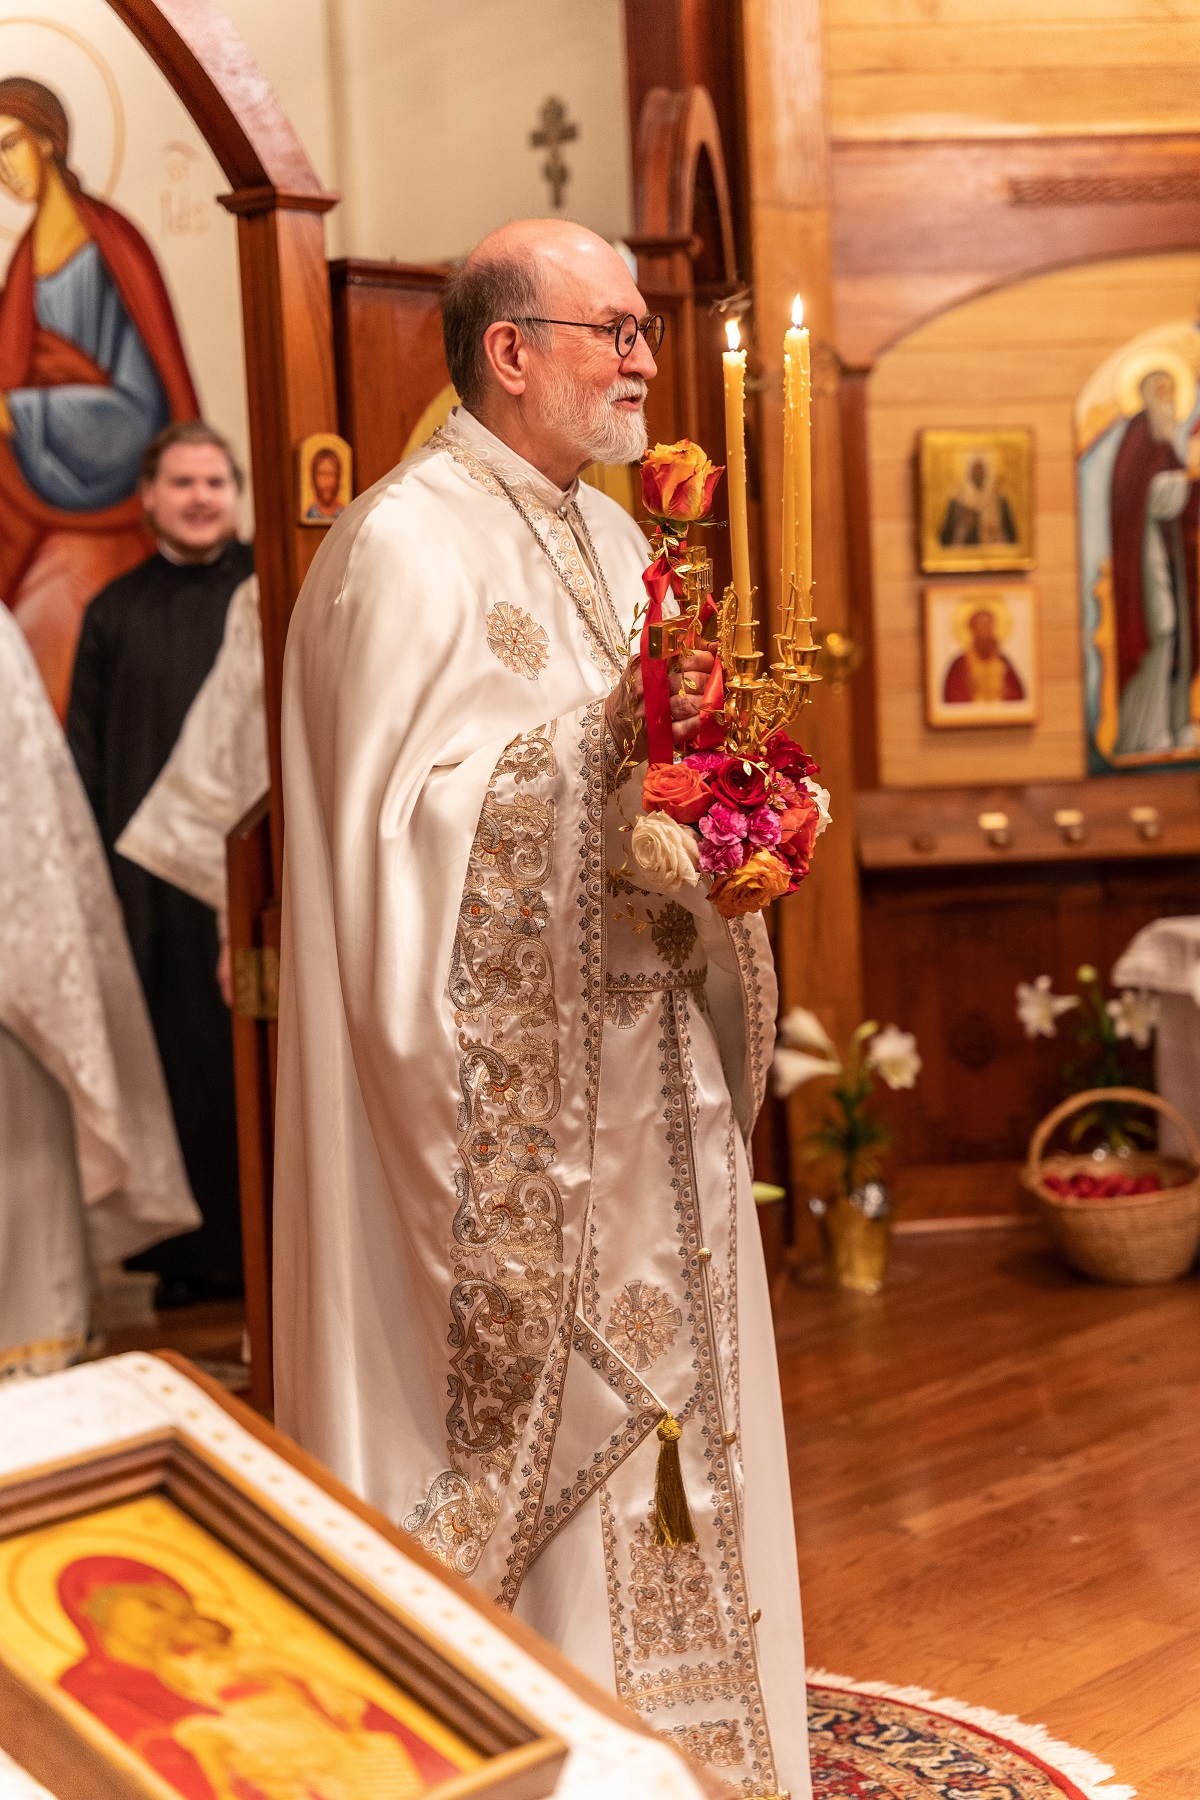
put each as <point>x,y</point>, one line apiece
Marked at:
<point>821,796</point>
<point>666,853</point>
<point>893,1054</point>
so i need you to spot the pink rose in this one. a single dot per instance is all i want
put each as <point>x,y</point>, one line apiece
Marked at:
<point>705,761</point>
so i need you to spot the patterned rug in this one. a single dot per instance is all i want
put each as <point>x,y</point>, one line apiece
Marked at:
<point>869,1741</point>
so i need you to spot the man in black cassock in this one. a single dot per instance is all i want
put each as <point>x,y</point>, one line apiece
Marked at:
<point>148,641</point>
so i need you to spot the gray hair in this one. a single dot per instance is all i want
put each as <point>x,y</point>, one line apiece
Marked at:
<point>476,296</point>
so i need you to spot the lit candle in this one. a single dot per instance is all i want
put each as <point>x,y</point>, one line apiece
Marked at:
<point>797,493</point>
<point>734,361</point>
<point>791,366</point>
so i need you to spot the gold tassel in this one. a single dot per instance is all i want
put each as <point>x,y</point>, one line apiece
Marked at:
<point>672,1520</point>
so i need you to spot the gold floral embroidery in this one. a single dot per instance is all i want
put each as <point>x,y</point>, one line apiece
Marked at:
<point>673,933</point>
<point>518,640</point>
<point>719,1743</point>
<point>672,1606</point>
<point>530,755</point>
<point>642,1323</point>
<point>508,1294</point>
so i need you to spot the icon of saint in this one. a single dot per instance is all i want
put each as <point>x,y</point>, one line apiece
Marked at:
<point>326,473</point>
<point>978,511</point>
<point>982,675</point>
<point>91,368</point>
<point>221,1720</point>
<point>1155,506</point>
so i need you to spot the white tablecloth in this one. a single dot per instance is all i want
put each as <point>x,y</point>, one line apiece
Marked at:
<point>1164,958</point>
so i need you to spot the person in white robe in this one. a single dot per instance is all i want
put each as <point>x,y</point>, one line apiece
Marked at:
<point>514,1225</point>
<point>213,776</point>
<point>90,1168</point>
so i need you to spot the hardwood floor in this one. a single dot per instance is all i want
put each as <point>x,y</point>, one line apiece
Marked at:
<point>996,1478</point>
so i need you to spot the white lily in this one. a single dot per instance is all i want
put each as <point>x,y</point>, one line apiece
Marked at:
<point>800,1029</point>
<point>892,1053</point>
<point>791,1068</point>
<point>1134,1015</point>
<point>1038,1008</point>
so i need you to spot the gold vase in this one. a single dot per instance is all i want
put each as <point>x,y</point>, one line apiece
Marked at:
<point>857,1245</point>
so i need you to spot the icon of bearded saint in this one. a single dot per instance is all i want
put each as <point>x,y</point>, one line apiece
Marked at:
<point>91,367</point>
<point>218,1721</point>
<point>1155,513</point>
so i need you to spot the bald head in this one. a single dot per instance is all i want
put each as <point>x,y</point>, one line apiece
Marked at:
<point>529,323</point>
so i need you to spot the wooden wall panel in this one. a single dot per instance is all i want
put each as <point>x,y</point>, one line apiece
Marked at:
<point>908,68</point>
<point>1016,357</point>
<point>943,953</point>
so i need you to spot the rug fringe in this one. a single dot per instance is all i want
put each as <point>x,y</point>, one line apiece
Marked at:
<point>1088,1773</point>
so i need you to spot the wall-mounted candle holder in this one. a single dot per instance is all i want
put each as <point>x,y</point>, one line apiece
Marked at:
<point>1146,822</point>
<point>1070,823</point>
<point>994,826</point>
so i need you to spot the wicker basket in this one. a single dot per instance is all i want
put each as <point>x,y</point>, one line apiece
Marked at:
<point>1134,1240</point>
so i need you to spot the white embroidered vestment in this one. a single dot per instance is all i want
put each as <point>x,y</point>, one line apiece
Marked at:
<point>513,1220</point>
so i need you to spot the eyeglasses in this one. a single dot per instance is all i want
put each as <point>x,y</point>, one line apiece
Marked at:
<point>624,331</point>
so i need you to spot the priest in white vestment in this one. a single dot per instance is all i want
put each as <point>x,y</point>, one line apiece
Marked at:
<point>90,1168</point>
<point>514,1225</point>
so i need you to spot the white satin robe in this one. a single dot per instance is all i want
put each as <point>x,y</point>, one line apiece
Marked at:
<point>513,1215</point>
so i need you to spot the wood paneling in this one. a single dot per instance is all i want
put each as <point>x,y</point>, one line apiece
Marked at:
<point>1016,357</point>
<point>942,955</point>
<point>390,359</point>
<point>909,68</point>
<point>939,827</point>
<point>994,1471</point>
<point>921,226</point>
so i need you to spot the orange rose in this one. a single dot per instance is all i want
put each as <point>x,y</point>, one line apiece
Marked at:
<point>800,825</point>
<point>675,789</point>
<point>761,879</point>
<point>678,481</point>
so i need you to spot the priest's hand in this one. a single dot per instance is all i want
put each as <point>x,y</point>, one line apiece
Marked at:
<point>626,705</point>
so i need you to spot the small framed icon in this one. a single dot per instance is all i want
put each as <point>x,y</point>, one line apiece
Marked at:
<point>325,478</point>
<point>981,661</point>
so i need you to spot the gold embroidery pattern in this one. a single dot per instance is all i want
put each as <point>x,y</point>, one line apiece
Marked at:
<point>603,635</point>
<point>628,997</point>
<point>507,1300</point>
<point>645,1411</point>
<point>672,1606</point>
<point>531,755</point>
<point>673,933</point>
<point>719,1744</point>
<point>642,1323</point>
<point>753,1006</point>
<point>517,640</point>
<point>733,1680</point>
<point>589,898</point>
<point>454,1520</point>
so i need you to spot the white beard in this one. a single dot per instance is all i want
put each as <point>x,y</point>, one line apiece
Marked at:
<point>593,426</point>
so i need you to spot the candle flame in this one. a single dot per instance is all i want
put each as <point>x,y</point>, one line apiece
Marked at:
<point>733,336</point>
<point>797,312</point>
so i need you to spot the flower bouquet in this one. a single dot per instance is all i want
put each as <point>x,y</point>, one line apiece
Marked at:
<point>745,823</point>
<point>856,1227</point>
<point>1109,1037</point>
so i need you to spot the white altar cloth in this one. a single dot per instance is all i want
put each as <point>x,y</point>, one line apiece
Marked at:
<point>100,1405</point>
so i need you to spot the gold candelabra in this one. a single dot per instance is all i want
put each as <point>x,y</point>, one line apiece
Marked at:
<point>758,704</point>
<point>755,704</point>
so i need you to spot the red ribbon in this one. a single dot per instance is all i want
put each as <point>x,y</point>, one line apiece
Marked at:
<point>658,579</point>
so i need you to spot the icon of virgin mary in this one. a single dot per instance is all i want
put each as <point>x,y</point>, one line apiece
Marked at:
<point>91,367</point>
<point>218,1721</point>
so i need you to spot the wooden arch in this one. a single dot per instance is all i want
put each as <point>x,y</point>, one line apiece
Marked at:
<point>686,258</point>
<point>277,199</point>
